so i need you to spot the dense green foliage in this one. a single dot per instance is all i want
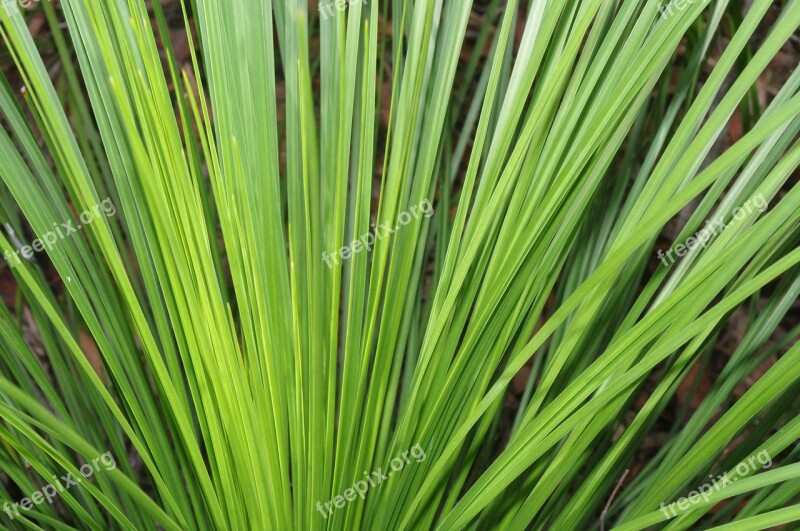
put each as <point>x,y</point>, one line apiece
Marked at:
<point>244,379</point>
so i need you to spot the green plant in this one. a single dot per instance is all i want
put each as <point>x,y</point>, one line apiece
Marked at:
<point>241,380</point>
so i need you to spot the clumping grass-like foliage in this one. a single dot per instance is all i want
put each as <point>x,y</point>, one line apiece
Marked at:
<point>323,251</point>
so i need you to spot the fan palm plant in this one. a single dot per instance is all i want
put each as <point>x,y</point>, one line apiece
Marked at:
<point>324,251</point>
